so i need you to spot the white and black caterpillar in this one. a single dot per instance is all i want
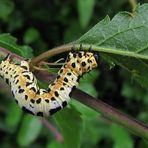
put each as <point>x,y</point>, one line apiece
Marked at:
<point>38,101</point>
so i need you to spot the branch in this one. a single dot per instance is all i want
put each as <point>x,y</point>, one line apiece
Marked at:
<point>108,111</point>
<point>113,114</point>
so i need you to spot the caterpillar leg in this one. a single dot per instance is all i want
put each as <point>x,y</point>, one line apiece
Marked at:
<point>81,48</point>
<point>90,49</point>
<point>8,57</point>
<point>73,48</point>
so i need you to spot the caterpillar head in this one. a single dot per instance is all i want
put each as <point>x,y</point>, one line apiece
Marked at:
<point>82,61</point>
<point>88,61</point>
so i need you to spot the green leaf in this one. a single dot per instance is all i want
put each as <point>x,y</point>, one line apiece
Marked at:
<point>13,116</point>
<point>87,83</point>
<point>133,91</point>
<point>9,42</point>
<point>31,35</point>
<point>121,137</point>
<point>95,130</point>
<point>26,51</point>
<point>123,40</point>
<point>87,112</point>
<point>70,124</point>
<point>55,144</point>
<point>85,11</point>
<point>29,130</point>
<point>6,8</point>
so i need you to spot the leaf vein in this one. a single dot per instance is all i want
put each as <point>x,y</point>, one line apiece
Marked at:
<point>119,33</point>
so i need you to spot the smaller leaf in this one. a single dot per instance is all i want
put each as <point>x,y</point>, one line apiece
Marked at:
<point>29,130</point>
<point>14,115</point>
<point>85,11</point>
<point>55,144</point>
<point>121,137</point>
<point>70,123</point>
<point>9,42</point>
<point>95,130</point>
<point>87,112</point>
<point>6,8</point>
<point>31,35</point>
<point>26,51</point>
<point>87,83</point>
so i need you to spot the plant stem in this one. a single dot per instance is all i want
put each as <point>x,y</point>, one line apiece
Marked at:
<point>50,53</point>
<point>113,114</point>
<point>67,47</point>
<point>133,4</point>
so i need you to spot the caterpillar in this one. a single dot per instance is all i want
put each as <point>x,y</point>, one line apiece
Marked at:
<point>41,102</point>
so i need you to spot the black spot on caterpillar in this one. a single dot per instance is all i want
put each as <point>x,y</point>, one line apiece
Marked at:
<point>38,101</point>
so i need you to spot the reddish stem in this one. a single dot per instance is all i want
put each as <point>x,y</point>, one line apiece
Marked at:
<point>53,129</point>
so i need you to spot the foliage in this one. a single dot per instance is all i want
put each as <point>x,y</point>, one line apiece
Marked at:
<point>126,43</point>
<point>123,41</point>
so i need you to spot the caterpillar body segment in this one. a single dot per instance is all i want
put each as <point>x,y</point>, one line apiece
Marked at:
<point>41,102</point>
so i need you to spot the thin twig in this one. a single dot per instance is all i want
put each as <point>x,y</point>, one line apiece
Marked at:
<point>50,64</point>
<point>54,130</point>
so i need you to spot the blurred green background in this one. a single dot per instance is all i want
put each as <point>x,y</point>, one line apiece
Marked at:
<point>44,24</point>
